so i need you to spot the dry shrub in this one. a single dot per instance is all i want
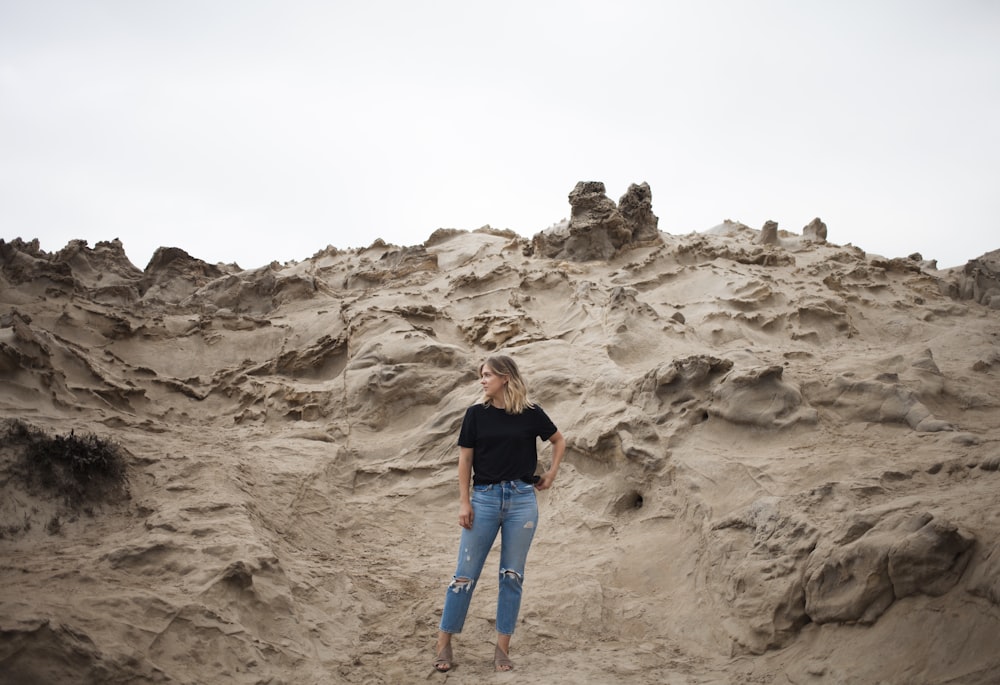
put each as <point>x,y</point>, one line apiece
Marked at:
<point>80,469</point>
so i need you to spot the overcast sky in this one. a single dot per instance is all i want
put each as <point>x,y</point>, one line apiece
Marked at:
<point>249,131</point>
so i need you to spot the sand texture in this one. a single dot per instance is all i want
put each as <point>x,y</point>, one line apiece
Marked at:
<point>782,461</point>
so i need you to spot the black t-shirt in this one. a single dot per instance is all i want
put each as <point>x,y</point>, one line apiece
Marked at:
<point>503,445</point>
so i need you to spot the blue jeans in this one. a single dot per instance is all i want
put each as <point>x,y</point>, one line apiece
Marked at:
<point>511,508</point>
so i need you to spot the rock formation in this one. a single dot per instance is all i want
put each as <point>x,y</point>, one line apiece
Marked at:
<point>636,207</point>
<point>597,228</point>
<point>769,233</point>
<point>815,230</point>
<point>979,280</point>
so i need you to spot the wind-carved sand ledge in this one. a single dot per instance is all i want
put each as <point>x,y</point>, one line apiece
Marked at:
<point>782,466</point>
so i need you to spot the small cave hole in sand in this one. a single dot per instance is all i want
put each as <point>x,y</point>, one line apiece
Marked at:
<point>630,501</point>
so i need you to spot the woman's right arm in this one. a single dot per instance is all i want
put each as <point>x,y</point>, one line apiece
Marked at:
<point>465,487</point>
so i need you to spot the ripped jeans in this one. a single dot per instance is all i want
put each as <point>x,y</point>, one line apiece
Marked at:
<point>511,508</point>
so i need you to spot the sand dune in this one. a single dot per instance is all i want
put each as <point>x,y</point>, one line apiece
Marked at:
<point>782,458</point>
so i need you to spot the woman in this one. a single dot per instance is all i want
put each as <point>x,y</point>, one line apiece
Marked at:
<point>496,465</point>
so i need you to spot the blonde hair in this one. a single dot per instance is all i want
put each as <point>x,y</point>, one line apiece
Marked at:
<point>515,392</point>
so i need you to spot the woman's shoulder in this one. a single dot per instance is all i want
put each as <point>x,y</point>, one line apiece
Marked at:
<point>539,414</point>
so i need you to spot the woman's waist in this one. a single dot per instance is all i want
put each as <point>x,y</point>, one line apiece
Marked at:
<point>530,480</point>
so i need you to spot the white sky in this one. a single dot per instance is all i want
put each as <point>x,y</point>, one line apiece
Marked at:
<point>250,131</point>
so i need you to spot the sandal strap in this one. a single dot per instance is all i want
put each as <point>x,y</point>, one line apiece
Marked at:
<point>501,659</point>
<point>443,659</point>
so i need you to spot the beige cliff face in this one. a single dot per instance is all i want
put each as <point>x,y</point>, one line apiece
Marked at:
<point>782,460</point>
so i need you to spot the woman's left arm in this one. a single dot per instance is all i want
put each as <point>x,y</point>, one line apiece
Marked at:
<point>558,449</point>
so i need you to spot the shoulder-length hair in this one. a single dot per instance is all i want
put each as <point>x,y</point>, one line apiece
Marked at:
<point>515,393</point>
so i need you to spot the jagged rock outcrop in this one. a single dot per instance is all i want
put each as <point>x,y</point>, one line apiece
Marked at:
<point>25,262</point>
<point>257,291</point>
<point>769,233</point>
<point>979,280</point>
<point>815,231</point>
<point>597,228</point>
<point>636,207</point>
<point>172,275</point>
<point>103,272</point>
<point>395,263</point>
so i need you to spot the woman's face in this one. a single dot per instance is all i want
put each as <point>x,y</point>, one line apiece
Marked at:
<point>492,383</point>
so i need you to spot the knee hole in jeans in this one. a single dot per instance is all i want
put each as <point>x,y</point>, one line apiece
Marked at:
<point>511,574</point>
<point>461,583</point>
